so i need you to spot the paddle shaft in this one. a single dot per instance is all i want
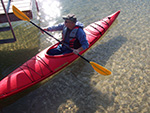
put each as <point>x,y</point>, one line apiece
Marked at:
<point>45,32</point>
<point>58,40</point>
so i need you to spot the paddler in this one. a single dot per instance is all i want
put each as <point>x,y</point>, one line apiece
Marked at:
<point>72,34</point>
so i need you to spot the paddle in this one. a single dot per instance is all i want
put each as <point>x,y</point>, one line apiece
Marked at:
<point>100,69</point>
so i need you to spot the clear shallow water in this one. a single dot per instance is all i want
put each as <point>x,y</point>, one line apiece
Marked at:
<point>78,89</point>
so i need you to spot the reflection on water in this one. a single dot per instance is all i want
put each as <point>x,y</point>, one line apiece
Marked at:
<point>49,11</point>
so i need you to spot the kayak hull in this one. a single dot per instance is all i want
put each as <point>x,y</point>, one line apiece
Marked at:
<point>42,66</point>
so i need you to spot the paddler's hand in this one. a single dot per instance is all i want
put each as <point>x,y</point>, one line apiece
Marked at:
<point>77,51</point>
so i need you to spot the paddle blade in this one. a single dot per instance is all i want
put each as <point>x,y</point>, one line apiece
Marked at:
<point>100,69</point>
<point>20,14</point>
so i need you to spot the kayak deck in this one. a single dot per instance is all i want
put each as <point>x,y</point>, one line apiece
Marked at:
<point>43,66</point>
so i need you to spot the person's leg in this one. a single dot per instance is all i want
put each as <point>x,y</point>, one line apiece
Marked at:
<point>55,51</point>
<point>59,50</point>
<point>67,51</point>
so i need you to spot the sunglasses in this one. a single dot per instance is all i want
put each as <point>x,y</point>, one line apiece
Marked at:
<point>67,21</point>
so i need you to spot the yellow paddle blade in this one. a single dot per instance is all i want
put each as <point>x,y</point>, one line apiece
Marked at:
<point>20,14</point>
<point>100,69</point>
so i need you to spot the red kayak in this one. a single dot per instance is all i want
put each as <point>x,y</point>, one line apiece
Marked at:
<point>43,66</point>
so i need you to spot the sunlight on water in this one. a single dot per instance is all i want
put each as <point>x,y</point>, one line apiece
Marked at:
<point>50,10</point>
<point>69,104</point>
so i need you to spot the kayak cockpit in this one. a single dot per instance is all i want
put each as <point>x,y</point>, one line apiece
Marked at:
<point>57,56</point>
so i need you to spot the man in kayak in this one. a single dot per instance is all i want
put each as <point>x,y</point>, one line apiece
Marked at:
<point>73,36</point>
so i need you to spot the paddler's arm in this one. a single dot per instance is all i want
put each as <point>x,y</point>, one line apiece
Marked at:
<point>58,27</point>
<point>83,41</point>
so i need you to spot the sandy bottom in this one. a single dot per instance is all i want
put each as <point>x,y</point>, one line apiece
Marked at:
<point>125,50</point>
